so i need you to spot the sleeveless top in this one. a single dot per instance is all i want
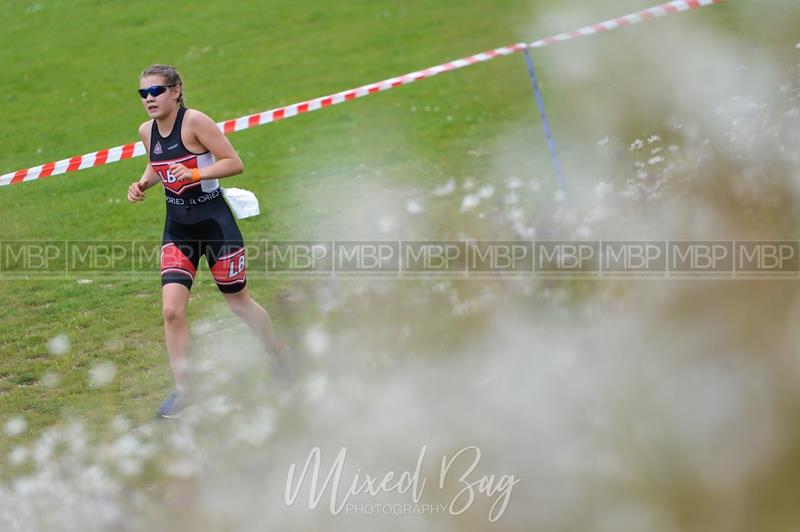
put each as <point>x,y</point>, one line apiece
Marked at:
<point>185,199</point>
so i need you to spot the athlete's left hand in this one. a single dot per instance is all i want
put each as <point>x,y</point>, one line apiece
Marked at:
<point>180,172</point>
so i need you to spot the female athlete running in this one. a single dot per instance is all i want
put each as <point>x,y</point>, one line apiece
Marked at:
<point>188,154</point>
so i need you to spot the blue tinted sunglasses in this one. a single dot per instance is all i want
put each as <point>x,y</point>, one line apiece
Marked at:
<point>155,90</point>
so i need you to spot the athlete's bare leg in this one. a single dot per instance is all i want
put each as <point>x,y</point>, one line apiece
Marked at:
<point>256,318</point>
<point>176,331</point>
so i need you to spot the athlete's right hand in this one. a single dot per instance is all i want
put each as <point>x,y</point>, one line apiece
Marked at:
<point>135,192</point>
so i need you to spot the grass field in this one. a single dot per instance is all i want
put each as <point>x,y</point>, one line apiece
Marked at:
<point>69,75</point>
<point>83,79</point>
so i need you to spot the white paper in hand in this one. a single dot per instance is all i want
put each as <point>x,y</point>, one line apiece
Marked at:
<point>244,203</point>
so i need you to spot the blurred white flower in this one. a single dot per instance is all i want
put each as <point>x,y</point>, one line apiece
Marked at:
<point>655,160</point>
<point>124,447</point>
<point>183,440</point>
<point>470,201</point>
<point>527,233</point>
<point>447,188</point>
<point>256,430</point>
<point>220,405</point>
<point>85,281</point>
<point>102,374</point>
<point>413,207</point>
<point>202,327</point>
<point>50,379</point>
<point>182,468</point>
<point>486,191</point>
<point>603,142</point>
<point>59,345</point>
<point>513,182</point>
<point>386,224</point>
<point>653,138</point>
<point>599,213</point>
<point>18,455</point>
<point>317,340</point>
<point>15,426</point>
<point>515,214</point>
<point>315,387</point>
<point>43,448</point>
<point>636,145</point>
<point>631,192</point>
<point>129,466</point>
<point>207,365</point>
<point>75,436</point>
<point>120,424</point>
<point>440,287</point>
<point>601,189</point>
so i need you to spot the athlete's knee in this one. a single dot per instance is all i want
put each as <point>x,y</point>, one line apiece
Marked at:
<point>173,313</point>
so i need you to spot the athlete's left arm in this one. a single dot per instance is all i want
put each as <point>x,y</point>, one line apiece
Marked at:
<point>227,162</point>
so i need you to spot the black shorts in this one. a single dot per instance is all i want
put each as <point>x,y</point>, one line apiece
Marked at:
<point>217,237</point>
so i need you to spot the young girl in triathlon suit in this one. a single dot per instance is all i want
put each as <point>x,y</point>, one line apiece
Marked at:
<point>188,154</point>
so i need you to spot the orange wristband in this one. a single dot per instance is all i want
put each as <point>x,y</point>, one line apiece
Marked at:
<point>195,174</point>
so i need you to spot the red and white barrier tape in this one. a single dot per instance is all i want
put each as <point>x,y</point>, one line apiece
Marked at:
<point>112,155</point>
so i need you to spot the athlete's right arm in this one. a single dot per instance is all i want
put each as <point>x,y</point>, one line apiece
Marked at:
<point>150,177</point>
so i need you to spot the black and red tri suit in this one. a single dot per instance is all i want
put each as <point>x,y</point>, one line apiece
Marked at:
<point>198,221</point>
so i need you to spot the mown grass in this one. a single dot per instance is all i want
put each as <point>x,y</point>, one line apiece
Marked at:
<point>68,88</point>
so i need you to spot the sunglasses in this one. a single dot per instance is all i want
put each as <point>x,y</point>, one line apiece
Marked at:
<point>155,90</point>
